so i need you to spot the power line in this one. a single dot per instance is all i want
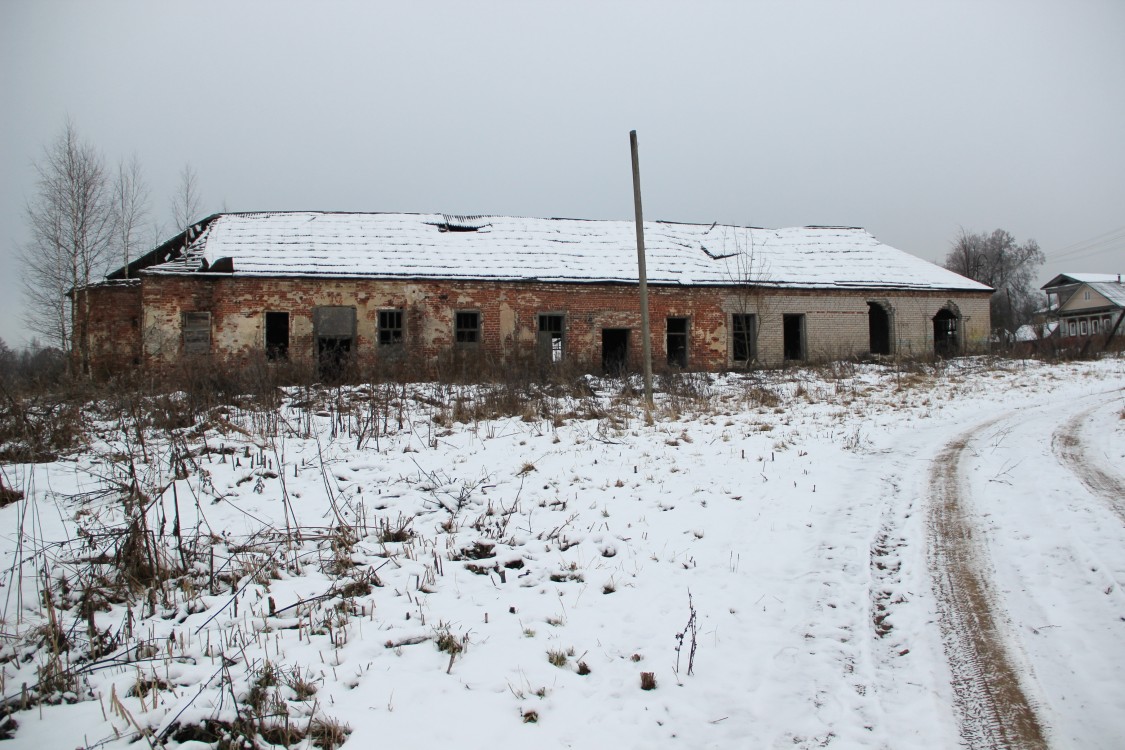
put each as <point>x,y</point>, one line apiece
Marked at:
<point>1092,246</point>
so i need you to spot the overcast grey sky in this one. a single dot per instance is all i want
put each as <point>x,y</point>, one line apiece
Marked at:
<point>912,119</point>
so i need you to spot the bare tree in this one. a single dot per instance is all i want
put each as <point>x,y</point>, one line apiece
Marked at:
<point>185,202</point>
<point>747,271</point>
<point>73,225</point>
<point>997,260</point>
<point>130,203</point>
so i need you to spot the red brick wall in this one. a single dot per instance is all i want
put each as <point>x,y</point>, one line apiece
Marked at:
<point>836,320</point>
<point>114,325</point>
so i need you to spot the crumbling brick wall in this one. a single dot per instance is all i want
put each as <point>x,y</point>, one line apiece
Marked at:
<point>836,322</point>
<point>114,325</point>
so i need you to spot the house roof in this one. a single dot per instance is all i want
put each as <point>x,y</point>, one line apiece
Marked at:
<point>505,248</point>
<point>1112,291</point>
<point>1082,278</point>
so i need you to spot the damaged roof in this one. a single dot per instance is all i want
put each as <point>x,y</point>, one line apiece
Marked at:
<point>505,248</point>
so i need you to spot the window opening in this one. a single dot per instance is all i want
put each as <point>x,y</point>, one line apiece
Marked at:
<point>744,330</point>
<point>390,327</point>
<point>676,341</point>
<point>793,335</point>
<point>550,341</point>
<point>1082,326</point>
<point>277,336</point>
<point>197,332</point>
<point>466,327</point>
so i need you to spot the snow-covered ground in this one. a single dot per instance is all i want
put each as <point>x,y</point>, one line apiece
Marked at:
<point>765,549</point>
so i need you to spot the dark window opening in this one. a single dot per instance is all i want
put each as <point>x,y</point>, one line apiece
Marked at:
<point>744,333</point>
<point>945,334</point>
<point>197,332</point>
<point>550,340</point>
<point>676,341</point>
<point>390,327</point>
<point>466,327</point>
<point>879,328</point>
<point>615,351</point>
<point>793,333</point>
<point>277,335</point>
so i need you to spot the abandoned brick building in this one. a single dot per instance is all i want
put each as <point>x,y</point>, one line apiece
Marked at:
<point>328,288</point>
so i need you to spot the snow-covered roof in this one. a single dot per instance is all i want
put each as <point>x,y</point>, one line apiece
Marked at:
<point>1035,331</point>
<point>1082,278</point>
<point>505,248</point>
<point>1111,290</point>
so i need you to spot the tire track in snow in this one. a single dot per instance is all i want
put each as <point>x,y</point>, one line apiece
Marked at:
<point>993,712</point>
<point>1072,452</point>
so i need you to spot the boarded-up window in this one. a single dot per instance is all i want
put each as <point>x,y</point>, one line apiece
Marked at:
<point>390,327</point>
<point>334,322</point>
<point>197,332</point>
<point>550,341</point>
<point>744,330</point>
<point>466,327</point>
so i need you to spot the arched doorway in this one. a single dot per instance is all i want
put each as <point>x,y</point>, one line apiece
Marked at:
<point>947,341</point>
<point>879,328</point>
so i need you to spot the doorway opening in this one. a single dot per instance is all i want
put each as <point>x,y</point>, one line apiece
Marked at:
<point>946,343</point>
<point>676,342</point>
<point>615,350</point>
<point>334,333</point>
<point>550,338</point>
<point>277,336</point>
<point>793,332</point>
<point>879,328</point>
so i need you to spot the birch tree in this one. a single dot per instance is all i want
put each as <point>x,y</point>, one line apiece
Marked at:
<point>73,225</point>
<point>747,271</point>
<point>130,204</point>
<point>185,202</point>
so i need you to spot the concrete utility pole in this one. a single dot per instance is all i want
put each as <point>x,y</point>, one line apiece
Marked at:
<point>646,343</point>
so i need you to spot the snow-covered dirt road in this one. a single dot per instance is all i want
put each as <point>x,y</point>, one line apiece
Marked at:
<point>852,557</point>
<point>1014,551</point>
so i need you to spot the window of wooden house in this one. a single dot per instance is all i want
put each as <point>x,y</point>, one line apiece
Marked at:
<point>550,338</point>
<point>390,327</point>
<point>1094,325</point>
<point>197,332</point>
<point>277,336</point>
<point>744,334</point>
<point>466,327</point>
<point>1082,326</point>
